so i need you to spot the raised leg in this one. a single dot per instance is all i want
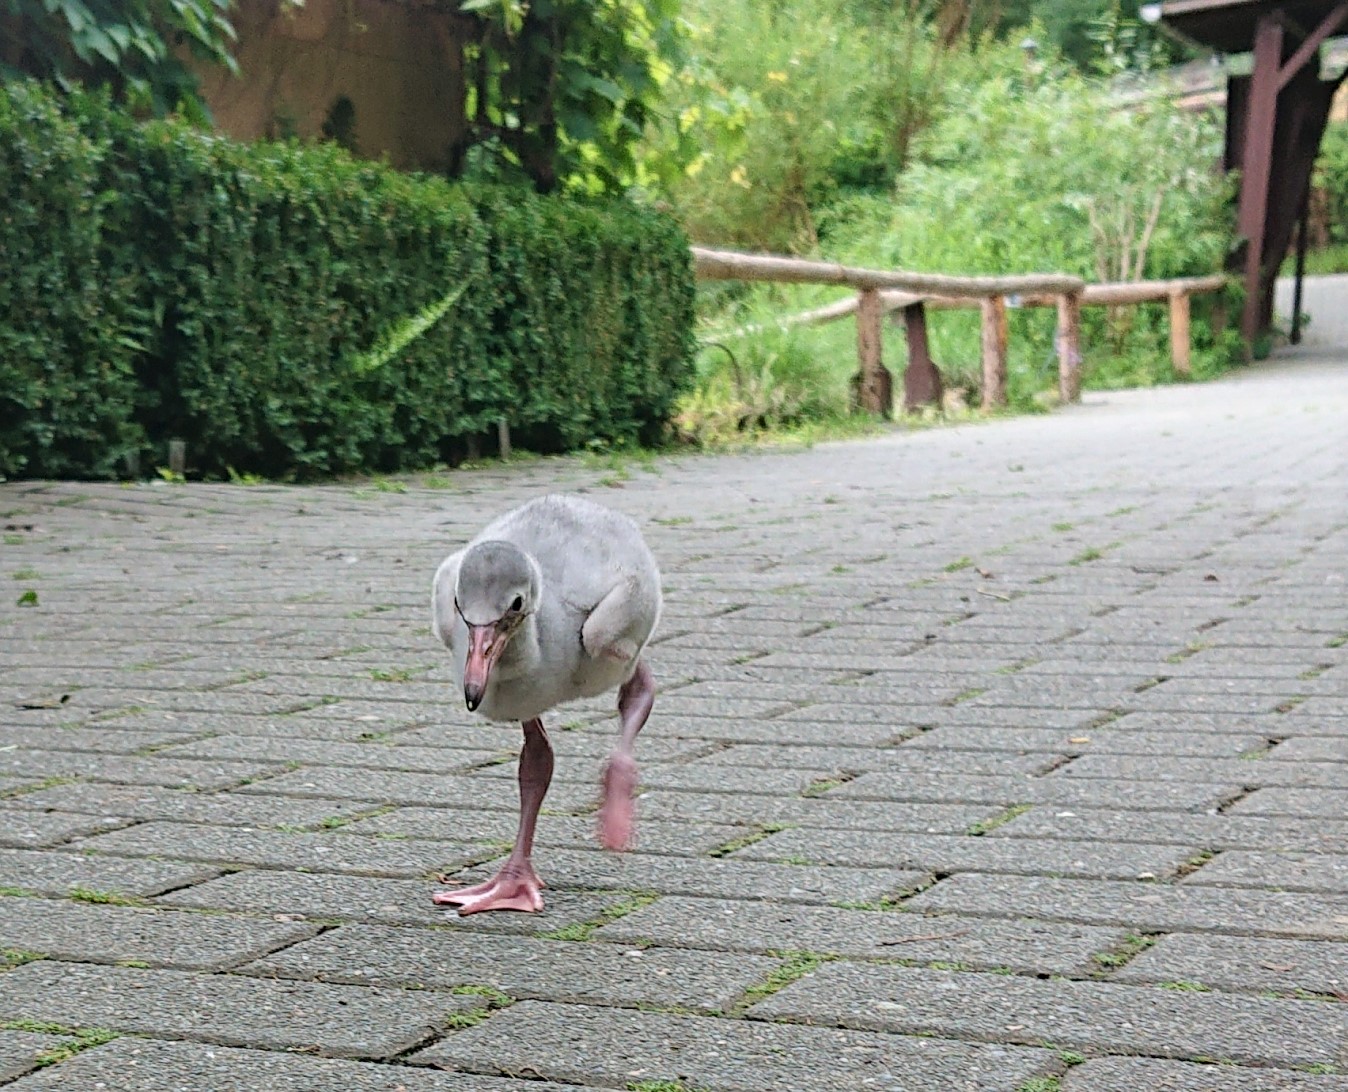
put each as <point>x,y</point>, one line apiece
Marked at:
<point>620,776</point>
<point>516,886</point>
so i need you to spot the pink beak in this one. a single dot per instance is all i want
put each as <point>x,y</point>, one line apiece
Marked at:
<point>484,649</point>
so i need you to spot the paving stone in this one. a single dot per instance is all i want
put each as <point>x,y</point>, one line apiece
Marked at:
<point>1131,1074</point>
<point>147,1065</point>
<point>96,802</point>
<point>947,853</point>
<point>1082,1015</point>
<point>1095,741</point>
<point>1311,803</point>
<point>815,811</point>
<point>326,897</point>
<point>857,759</point>
<point>1260,772</point>
<point>1075,792</point>
<point>1243,963</point>
<point>614,1046</point>
<point>555,970</point>
<point>721,877</point>
<point>1212,831</point>
<point>348,1021</point>
<point>651,836</point>
<point>397,787</point>
<point>112,934</point>
<point>177,772</point>
<point>741,925</point>
<point>21,829</point>
<point>329,851</point>
<point>1285,871</point>
<point>55,872</point>
<point>20,1050</point>
<point>1150,907</point>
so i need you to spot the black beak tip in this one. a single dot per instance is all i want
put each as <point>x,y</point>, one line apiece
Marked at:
<point>472,701</point>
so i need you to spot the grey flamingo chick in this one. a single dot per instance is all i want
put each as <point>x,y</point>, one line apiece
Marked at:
<point>551,602</point>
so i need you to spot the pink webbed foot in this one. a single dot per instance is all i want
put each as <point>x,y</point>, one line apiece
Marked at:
<point>509,889</point>
<point>617,813</point>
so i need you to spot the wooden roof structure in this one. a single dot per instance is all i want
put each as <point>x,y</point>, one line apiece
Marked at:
<point>1275,119</point>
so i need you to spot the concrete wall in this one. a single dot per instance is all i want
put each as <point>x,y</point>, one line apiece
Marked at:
<point>398,64</point>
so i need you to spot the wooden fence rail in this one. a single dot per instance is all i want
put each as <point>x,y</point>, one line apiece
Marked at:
<point>881,291</point>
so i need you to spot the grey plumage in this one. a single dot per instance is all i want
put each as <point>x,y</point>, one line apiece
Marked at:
<point>589,595</point>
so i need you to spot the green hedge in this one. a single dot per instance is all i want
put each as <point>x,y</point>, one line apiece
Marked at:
<point>176,284</point>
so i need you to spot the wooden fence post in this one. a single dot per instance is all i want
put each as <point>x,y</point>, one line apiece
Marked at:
<point>874,386</point>
<point>922,384</point>
<point>1179,332</point>
<point>994,352</point>
<point>1069,347</point>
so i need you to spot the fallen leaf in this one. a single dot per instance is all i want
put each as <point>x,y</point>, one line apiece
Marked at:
<point>1079,739</point>
<point>42,703</point>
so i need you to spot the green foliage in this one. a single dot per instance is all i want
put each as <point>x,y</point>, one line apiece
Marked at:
<point>561,90</point>
<point>236,296</point>
<point>67,350</point>
<point>134,46</point>
<point>1331,180</point>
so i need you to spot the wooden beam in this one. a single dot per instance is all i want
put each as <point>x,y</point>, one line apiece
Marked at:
<point>994,352</point>
<point>922,384</point>
<point>1179,333</point>
<point>1311,46</point>
<point>1257,168</point>
<point>732,265</point>
<point>1069,347</point>
<point>873,384</point>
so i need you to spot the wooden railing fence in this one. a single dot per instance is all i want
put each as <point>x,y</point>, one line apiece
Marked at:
<point>881,291</point>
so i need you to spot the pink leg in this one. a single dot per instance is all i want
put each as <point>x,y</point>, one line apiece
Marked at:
<point>516,886</point>
<point>620,776</point>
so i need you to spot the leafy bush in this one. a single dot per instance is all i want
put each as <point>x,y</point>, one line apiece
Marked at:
<point>67,380</point>
<point>253,281</point>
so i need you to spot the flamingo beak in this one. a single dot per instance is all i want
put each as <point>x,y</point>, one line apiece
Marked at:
<point>485,645</point>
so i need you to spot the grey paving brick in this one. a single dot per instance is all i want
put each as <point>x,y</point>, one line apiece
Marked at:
<point>20,1050</point>
<point>721,877</point>
<point>614,1046</point>
<point>55,872</point>
<point>947,853</point>
<point>348,1021</point>
<point>1286,871</point>
<point>148,1065</point>
<point>112,934</point>
<point>651,836</point>
<point>814,811</point>
<point>555,970</point>
<point>1069,792</point>
<point>177,772</point>
<point>1332,775</point>
<point>1243,963</point>
<point>96,802</point>
<point>21,829</point>
<point>1212,831</point>
<point>1093,741</point>
<point>1150,907</point>
<point>1312,803</point>
<point>742,925</point>
<point>858,759</point>
<point>329,851</point>
<point>1131,1074</point>
<point>367,899</point>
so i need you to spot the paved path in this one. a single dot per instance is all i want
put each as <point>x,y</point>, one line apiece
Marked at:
<point>1010,756</point>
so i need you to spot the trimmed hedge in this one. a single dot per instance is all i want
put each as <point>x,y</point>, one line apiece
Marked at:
<point>160,282</point>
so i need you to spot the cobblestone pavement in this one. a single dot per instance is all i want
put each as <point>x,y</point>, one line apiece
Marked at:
<point>1007,756</point>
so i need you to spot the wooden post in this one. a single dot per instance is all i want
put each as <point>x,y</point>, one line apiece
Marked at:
<point>1257,168</point>
<point>503,437</point>
<point>1069,347</point>
<point>994,352</point>
<point>1303,227</point>
<point>1179,332</point>
<point>921,379</point>
<point>874,386</point>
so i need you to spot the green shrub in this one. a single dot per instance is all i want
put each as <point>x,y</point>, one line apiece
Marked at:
<point>67,354</point>
<point>252,283</point>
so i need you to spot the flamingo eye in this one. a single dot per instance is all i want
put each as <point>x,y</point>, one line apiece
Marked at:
<point>518,604</point>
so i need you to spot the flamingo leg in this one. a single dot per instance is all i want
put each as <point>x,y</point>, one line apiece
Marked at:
<point>617,812</point>
<point>516,886</point>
